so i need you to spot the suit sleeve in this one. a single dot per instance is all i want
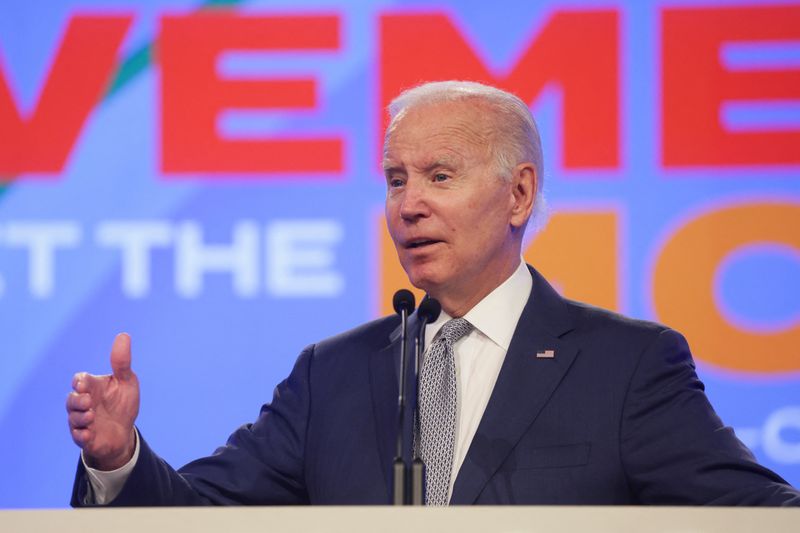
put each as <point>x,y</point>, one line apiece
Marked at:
<point>262,463</point>
<point>676,450</point>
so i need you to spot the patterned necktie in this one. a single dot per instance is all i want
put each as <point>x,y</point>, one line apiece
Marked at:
<point>437,411</point>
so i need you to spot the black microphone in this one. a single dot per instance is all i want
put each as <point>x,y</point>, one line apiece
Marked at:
<point>403,303</point>
<point>428,312</point>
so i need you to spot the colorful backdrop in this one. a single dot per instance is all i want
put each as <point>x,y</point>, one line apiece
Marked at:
<point>206,177</point>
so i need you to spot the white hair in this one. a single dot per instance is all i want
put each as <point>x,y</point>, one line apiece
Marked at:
<point>517,135</point>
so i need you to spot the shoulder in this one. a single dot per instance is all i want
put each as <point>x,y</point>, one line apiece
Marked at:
<point>346,356</point>
<point>372,336</point>
<point>613,332</point>
<point>590,318</point>
<point>579,321</point>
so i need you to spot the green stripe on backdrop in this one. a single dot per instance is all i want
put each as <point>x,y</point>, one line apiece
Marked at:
<point>129,70</point>
<point>144,57</point>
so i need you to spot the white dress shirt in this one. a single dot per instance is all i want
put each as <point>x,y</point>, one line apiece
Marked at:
<point>107,484</point>
<point>479,356</point>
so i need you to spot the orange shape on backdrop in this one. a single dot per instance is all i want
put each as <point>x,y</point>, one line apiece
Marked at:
<point>683,285</point>
<point>577,251</point>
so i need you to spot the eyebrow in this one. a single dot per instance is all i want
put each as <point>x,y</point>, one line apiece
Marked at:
<point>391,168</point>
<point>448,163</point>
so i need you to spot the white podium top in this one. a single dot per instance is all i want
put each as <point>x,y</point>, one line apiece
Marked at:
<point>404,520</point>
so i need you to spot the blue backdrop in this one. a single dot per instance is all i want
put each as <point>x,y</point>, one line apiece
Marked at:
<point>222,274</point>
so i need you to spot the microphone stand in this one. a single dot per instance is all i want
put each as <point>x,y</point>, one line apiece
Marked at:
<point>403,301</point>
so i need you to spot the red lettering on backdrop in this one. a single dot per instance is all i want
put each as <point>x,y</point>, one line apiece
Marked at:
<point>577,50</point>
<point>696,84</point>
<point>80,73</point>
<point>193,94</point>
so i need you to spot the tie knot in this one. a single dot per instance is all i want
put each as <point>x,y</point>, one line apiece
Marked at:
<point>454,329</point>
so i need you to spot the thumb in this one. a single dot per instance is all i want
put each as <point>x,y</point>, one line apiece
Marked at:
<point>121,357</point>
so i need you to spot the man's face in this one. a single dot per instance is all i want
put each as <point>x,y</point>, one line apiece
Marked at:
<point>452,217</point>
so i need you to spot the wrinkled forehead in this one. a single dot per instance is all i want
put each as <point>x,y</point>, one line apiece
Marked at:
<point>459,127</point>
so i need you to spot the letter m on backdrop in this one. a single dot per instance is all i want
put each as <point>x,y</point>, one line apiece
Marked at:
<point>575,50</point>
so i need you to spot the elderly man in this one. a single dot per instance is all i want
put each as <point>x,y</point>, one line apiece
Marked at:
<point>525,397</point>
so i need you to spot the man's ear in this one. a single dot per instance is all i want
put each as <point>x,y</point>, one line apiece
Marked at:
<point>524,184</point>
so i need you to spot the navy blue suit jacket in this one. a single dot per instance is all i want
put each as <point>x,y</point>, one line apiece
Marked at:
<point>617,416</point>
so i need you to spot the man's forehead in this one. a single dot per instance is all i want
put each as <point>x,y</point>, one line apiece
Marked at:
<point>463,113</point>
<point>446,132</point>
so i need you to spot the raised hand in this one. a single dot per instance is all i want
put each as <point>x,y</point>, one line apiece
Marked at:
<point>101,410</point>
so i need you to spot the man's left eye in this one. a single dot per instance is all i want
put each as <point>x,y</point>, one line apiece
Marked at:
<point>440,177</point>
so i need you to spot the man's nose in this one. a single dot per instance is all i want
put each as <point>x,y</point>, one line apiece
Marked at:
<point>415,201</point>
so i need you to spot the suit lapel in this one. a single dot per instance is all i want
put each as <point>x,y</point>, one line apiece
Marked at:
<point>523,387</point>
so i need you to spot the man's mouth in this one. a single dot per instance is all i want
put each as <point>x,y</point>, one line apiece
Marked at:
<point>420,243</point>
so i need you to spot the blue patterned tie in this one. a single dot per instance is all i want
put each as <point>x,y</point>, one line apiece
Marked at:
<point>437,411</point>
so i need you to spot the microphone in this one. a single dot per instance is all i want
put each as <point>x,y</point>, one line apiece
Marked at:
<point>428,312</point>
<point>403,302</point>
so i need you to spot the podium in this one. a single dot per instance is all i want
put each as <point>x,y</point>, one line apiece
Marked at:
<point>404,520</point>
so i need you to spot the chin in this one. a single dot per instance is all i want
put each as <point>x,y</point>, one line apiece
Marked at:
<point>424,281</point>
<point>430,274</point>
<point>417,277</point>
<point>419,283</point>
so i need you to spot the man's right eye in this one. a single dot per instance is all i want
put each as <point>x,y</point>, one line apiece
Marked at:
<point>395,183</point>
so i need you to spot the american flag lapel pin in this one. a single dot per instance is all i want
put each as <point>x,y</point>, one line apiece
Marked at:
<point>546,354</point>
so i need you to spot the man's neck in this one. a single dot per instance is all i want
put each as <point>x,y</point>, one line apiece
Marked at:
<point>457,302</point>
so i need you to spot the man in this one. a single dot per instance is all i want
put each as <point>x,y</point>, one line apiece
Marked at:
<point>525,397</point>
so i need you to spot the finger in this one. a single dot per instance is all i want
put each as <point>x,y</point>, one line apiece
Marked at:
<point>84,383</point>
<point>81,437</point>
<point>121,357</point>
<point>80,419</point>
<point>77,380</point>
<point>78,402</point>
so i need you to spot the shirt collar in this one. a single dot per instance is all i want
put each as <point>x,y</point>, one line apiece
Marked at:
<point>495,316</point>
